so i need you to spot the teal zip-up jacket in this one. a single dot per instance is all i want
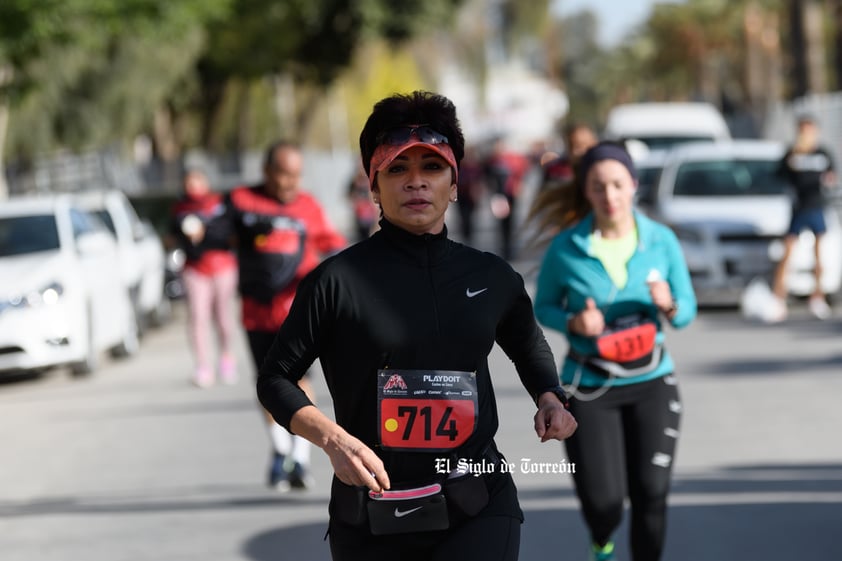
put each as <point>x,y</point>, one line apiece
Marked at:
<point>569,275</point>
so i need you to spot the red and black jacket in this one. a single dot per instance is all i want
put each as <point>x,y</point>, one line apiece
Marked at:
<point>277,245</point>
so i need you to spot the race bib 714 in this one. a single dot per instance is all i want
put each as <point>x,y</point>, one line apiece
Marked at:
<point>432,410</point>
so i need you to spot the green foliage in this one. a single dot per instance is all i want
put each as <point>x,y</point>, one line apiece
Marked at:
<point>581,66</point>
<point>379,71</point>
<point>690,50</point>
<point>310,41</point>
<point>91,72</point>
<point>82,73</point>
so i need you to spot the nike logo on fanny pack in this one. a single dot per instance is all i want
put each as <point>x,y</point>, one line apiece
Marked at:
<point>399,514</point>
<point>471,293</point>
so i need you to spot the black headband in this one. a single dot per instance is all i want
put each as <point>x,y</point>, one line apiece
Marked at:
<point>606,151</point>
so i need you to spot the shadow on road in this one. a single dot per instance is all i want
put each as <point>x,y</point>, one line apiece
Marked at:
<point>769,512</point>
<point>830,365</point>
<point>22,376</point>
<point>161,500</point>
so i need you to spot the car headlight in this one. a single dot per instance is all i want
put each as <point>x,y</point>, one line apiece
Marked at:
<point>46,296</point>
<point>175,260</point>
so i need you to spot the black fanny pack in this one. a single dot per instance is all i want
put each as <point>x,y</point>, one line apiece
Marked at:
<point>397,511</point>
<point>401,511</point>
<point>426,508</point>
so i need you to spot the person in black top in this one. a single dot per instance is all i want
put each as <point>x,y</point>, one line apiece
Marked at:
<point>808,168</point>
<point>403,323</point>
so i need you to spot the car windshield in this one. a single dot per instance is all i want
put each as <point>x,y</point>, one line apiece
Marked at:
<point>647,179</point>
<point>729,178</point>
<point>27,234</point>
<point>666,142</point>
<point>106,219</point>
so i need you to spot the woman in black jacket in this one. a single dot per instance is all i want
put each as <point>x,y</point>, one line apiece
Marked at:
<point>403,324</point>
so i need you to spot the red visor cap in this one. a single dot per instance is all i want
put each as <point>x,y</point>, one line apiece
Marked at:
<point>386,153</point>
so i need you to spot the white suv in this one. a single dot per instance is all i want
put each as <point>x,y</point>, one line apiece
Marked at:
<point>730,209</point>
<point>142,258</point>
<point>62,301</point>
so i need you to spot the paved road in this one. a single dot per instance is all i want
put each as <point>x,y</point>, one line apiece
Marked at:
<point>133,464</point>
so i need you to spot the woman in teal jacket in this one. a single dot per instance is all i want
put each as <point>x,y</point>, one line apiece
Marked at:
<point>609,280</point>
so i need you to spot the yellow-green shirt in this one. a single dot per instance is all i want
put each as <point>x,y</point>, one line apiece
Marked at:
<point>614,254</point>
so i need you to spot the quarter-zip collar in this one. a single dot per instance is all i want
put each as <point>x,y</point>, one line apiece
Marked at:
<point>582,232</point>
<point>425,249</point>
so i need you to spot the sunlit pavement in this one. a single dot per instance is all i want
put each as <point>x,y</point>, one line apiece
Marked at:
<point>136,464</point>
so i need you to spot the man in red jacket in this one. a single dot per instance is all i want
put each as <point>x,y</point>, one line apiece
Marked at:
<point>282,234</point>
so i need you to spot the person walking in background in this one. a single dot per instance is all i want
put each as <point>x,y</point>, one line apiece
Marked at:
<point>578,137</point>
<point>363,207</point>
<point>558,196</point>
<point>199,228</point>
<point>282,232</point>
<point>469,191</point>
<point>505,171</point>
<point>395,320</point>
<point>609,281</point>
<point>808,167</point>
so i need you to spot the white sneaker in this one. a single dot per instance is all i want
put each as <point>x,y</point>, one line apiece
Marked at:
<point>776,311</point>
<point>819,308</point>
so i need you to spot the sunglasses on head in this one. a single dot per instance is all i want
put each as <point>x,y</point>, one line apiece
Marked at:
<point>402,135</point>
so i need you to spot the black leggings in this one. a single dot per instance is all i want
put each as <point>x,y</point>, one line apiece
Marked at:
<point>625,446</point>
<point>259,344</point>
<point>483,538</point>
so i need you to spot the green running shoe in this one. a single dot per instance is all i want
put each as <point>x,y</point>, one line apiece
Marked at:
<point>604,553</point>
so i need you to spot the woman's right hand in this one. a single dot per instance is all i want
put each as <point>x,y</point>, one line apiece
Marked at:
<point>353,462</point>
<point>589,322</point>
<point>356,464</point>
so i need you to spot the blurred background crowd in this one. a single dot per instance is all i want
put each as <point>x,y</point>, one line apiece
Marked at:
<point>125,96</point>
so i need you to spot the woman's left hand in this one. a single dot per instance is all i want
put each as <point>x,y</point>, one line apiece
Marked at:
<point>553,421</point>
<point>661,294</point>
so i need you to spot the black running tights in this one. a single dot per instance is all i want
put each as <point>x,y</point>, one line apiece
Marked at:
<point>625,447</point>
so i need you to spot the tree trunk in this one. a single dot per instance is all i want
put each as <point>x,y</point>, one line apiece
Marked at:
<point>166,149</point>
<point>305,114</point>
<point>798,48</point>
<point>243,118</point>
<point>166,146</point>
<point>763,59</point>
<point>836,16</point>
<point>4,127</point>
<point>814,30</point>
<point>212,95</point>
<point>6,73</point>
<point>284,87</point>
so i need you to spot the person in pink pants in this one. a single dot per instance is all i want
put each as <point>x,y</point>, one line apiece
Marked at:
<point>199,227</point>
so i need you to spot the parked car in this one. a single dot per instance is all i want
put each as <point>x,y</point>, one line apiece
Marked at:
<point>156,209</point>
<point>730,211</point>
<point>142,258</point>
<point>62,301</point>
<point>649,164</point>
<point>662,125</point>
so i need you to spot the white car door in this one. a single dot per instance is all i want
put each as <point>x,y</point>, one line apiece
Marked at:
<point>107,298</point>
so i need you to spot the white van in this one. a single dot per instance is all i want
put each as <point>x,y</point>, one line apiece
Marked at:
<point>662,124</point>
